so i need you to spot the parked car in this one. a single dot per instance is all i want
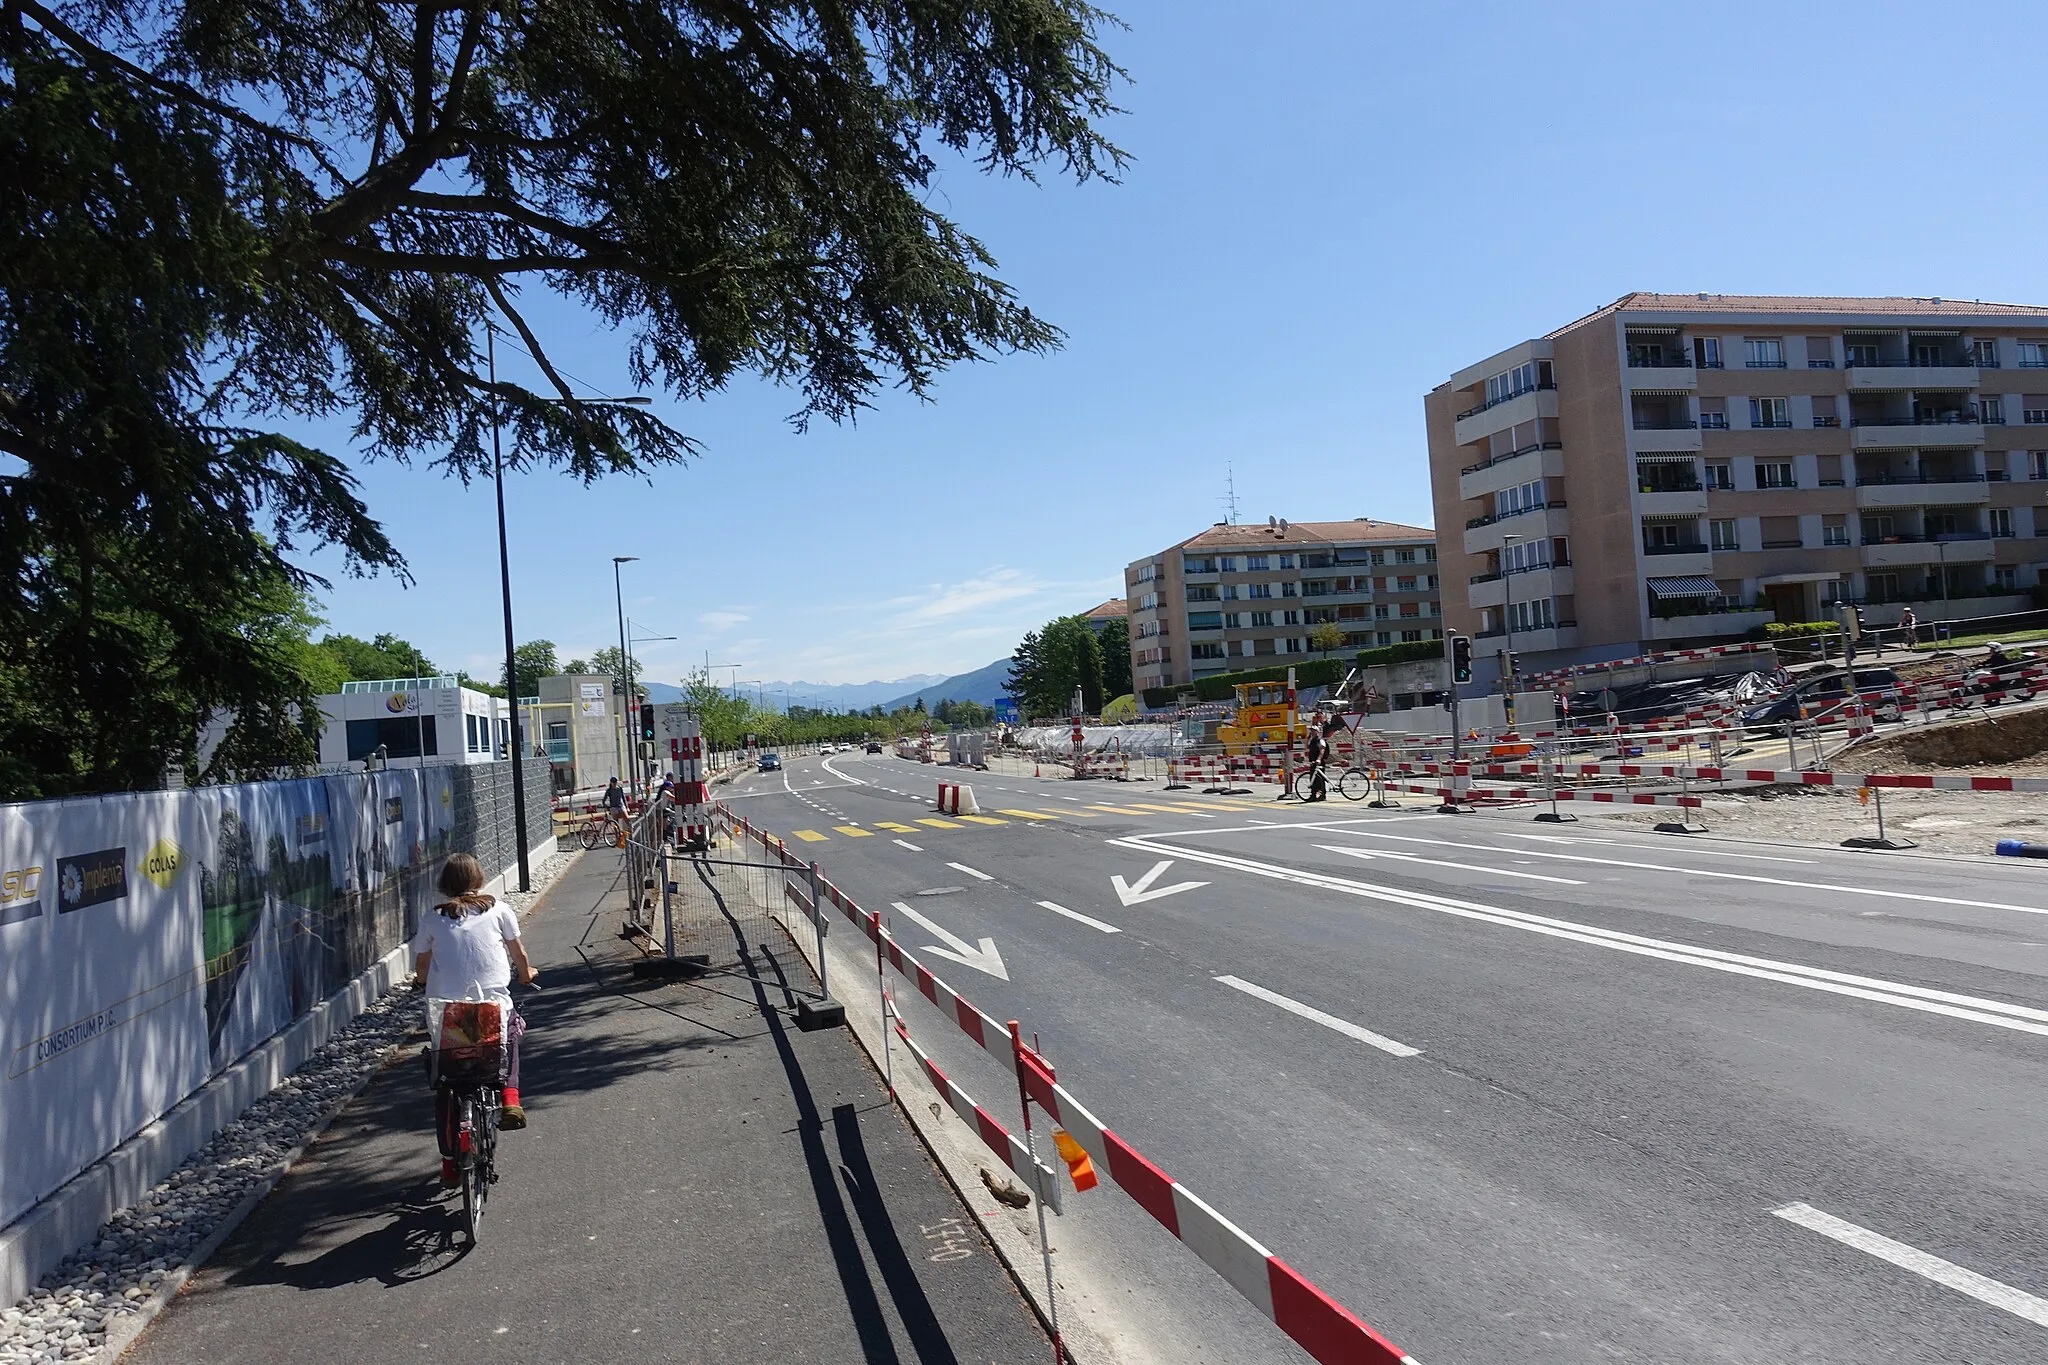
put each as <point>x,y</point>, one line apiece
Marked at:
<point>874,746</point>
<point>1817,694</point>
<point>771,763</point>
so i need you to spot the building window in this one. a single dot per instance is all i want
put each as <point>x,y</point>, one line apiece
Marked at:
<point>1533,374</point>
<point>2034,355</point>
<point>2034,411</point>
<point>1706,352</point>
<point>2005,577</point>
<point>1768,412</point>
<point>1991,410</point>
<point>1984,353</point>
<point>1408,556</point>
<point>1255,563</point>
<point>1201,592</point>
<point>1721,475</point>
<point>1820,353</point>
<point>1194,565</point>
<point>1658,535</point>
<point>1926,355</point>
<point>1824,414</point>
<point>1233,620</point>
<point>1286,561</point>
<point>1765,353</point>
<point>1774,474</point>
<point>1261,618</point>
<point>2037,464</point>
<point>1834,530</point>
<point>1290,589</point>
<point>1404,585</point>
<point>1205,620</point>
<point>1209,650</point>
<point>1227,564</point>
<point>1723,535</point>
<point>2001,522</point>
<point>1258,590</point>
<point>1861,353</point>
<point>1229,592</point>
<point>1290,618</point>
<point>1410,636</point>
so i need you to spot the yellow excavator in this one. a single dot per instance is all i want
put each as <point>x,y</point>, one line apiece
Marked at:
<point>1266,718</point>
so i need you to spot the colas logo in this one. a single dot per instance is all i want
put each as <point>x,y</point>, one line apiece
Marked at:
<point>396,703</point>
<point>162,864</point>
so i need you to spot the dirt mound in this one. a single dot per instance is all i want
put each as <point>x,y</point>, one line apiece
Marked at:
<point>2015,742</point>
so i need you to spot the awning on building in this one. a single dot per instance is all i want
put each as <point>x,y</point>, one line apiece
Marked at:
<point>1666,457</point>
<point>1684,587</point>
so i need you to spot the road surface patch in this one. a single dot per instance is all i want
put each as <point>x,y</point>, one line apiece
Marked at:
<point>1982,1288</point>
<point>1329,1021</point>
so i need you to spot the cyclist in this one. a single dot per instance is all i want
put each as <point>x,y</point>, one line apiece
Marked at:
<point>1318,751</point>
<point>469,949</point>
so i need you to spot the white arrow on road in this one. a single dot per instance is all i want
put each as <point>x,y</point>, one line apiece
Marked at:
<point>982,959</point>
<point>1144,890</point>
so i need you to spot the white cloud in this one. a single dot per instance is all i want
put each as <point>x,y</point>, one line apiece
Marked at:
<point>724,619</point>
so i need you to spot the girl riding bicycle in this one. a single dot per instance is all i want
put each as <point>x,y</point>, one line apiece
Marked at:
<point>469,950</point>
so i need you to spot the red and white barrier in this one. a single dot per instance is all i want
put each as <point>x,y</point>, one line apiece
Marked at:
<point>1037,1177</point>
<point>686,749</point>
<point>956,798</point>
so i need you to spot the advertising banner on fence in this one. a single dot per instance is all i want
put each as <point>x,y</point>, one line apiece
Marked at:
<point>147,940</point>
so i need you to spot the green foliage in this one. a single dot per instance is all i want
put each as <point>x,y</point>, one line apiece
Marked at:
<point>966,715</point>
<point>1314,673</point>
<point>226,221</point>
<point>1116,657</point>
<point>533,660</point>
<point>387,656</point>
<point>609,660</point>
<point>1326,636</point>
<point>1051,662</point>
<point>1121,709</point>
<point>1782,630</point>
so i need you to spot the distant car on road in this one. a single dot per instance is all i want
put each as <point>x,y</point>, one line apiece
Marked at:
<point>1817,694</point>
<point>771,763</point>
<point>874,747</point>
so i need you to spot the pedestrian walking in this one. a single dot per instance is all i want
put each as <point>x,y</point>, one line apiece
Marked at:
<point>1909,626</point>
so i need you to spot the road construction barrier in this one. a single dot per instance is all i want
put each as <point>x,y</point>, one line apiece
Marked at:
<point>957,799</point>
<point>1560,675</point>
<point>1331,1333</point>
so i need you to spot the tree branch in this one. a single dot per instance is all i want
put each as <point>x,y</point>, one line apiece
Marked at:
<point>533,347</point>
<point>587,238</point>
<point>452,263</point>
<point>114,64</point>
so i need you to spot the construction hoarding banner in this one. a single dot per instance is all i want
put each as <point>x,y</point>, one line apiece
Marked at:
<point>148,940</point>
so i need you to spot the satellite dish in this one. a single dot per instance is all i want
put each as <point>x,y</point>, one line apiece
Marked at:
<point>1283,526</point>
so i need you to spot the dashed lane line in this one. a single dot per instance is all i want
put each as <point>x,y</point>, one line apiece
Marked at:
<point>1982,1288</point>
<point>905,843</point>
<point>1328,1021</point>
<point>972,872</point>
<point>1089,920</point>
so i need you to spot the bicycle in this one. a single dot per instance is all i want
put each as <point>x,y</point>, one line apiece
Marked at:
<point>604,828</point>
<point>1305,782</point>
<point>468,1072</point>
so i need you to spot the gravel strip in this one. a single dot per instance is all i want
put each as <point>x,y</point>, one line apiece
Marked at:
<point>145,1245</point>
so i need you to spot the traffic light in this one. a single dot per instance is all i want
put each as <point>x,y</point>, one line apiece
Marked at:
<point>647,723</point>
<point>1461,658</point>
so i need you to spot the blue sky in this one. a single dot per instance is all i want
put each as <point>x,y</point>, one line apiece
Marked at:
<point>1331,208</point>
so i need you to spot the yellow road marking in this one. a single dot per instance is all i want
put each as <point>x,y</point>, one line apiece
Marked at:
<point>939,824</point>
<point>811,836</point>
<point>1113,810</point>
<point>855,831</point>
<point>984,820</point>
<point>1029,814</point>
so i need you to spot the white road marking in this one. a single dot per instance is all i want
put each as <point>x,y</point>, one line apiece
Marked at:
<point>1695,850</point>
<point>1976,1009</point>
<point>1088,920</point>
<point>1133,893</point>
<point>1982,1288</point>
<point>907,844</point>
<point>1708,872</point>
<point>827,765</point>
<point>963,867</point>
<point>1331,1021</point>
<point>1438,862</point>
<point>983,958</point>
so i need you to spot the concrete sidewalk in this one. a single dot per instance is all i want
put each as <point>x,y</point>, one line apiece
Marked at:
<point>701,1182</point>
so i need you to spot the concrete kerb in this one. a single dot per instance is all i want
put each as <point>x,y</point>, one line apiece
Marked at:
<point>41,1238</point>
<point>961,1158</point>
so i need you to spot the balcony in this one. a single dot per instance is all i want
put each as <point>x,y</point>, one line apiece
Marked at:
<point>1904,374</point>
<point>1917,490</point>
<point>1515,467</point>
<point>1648,434</point>
<point>1476,424</point>
<point>1485,534</point>
<point>1906,433</point>
<point>1523,585</point>
<point>1701,621</point>
<point>1671,502</point>
<point>1677,561</point>
<point>1964,547</point>
<point>1563,635</point>
<point>1670,373</point>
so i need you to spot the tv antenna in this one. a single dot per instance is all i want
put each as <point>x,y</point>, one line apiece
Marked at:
<point>1229,498</point>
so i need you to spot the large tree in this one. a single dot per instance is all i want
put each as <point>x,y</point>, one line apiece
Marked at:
<point>535,660</point>
<point>226,219</point>
<point>1116,657</point>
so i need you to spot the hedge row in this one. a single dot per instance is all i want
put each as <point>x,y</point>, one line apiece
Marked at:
<point>1316,672</point>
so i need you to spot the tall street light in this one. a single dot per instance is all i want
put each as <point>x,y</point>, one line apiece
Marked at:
<point>631,640</point>
<point>518,747</point>
<point>626,700</point>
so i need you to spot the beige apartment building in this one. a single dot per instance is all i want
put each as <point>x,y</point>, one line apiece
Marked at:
<point>1245,596</point>
<point>1678,469</point>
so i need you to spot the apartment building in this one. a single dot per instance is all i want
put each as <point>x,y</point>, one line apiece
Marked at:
<point>1244,596</point>
<point>1678,469</point>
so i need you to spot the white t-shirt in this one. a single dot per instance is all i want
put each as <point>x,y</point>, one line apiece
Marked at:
<point>470,961</point>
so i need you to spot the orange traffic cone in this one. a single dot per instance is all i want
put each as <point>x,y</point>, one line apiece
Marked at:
<point>1034,770</point>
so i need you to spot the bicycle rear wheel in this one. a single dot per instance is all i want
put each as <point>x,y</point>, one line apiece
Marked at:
<point>477,1173</point>
<point>1355,785</point>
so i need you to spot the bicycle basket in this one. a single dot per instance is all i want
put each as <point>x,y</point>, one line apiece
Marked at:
<point>471,1049</point>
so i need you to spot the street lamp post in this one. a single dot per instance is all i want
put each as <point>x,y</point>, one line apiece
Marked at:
<point>505,596</point>
<point>631,640</point>
<point>626,698</point>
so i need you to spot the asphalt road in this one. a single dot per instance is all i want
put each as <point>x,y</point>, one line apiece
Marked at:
<point>1513,1092</point>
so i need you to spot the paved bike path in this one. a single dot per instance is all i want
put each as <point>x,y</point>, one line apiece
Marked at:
<point>701,1182</point>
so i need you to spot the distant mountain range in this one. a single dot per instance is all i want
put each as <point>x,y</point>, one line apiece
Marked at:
<point>983,685</point>
<point>829,696</point>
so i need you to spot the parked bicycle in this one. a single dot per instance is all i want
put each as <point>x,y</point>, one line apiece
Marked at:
<point>604,828</point>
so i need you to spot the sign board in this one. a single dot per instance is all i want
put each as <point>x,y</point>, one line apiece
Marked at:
<point>594,708</point>
<point>1006,710</point>
<point>593,689</point>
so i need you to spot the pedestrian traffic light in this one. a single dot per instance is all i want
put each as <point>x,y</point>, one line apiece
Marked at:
<point>647,723</point>
<point>1461,658</point>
